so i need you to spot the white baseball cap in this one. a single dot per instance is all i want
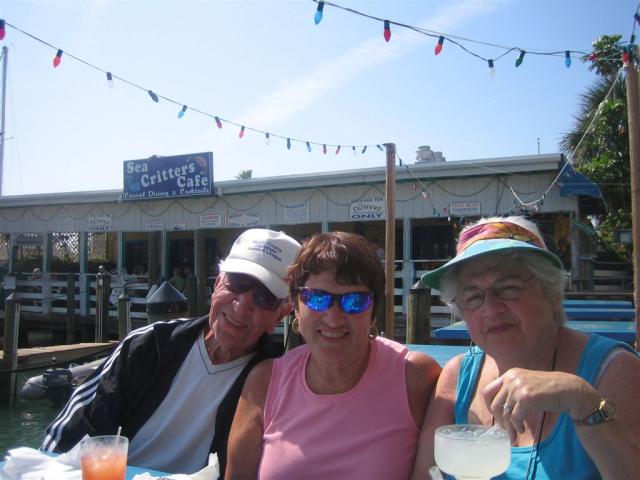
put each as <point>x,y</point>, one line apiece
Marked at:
<point>264,255</point>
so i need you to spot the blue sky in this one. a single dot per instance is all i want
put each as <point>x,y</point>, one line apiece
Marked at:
<point>264,64</point>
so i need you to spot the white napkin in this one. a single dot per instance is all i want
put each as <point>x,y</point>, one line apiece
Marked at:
<point>29,464</point>
<point>210,472</point>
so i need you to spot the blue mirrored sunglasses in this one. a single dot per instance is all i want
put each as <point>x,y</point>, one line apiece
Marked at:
<point>320,301</point>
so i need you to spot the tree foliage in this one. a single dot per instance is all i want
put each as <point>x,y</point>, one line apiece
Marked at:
<point>244,174</point>
<point>598,143</point>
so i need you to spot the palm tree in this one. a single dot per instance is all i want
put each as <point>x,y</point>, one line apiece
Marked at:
<point>598,143</point>
<point>606,61</point>
<point>244,174</point>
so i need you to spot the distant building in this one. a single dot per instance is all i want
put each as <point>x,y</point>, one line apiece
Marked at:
<point>77,232</point>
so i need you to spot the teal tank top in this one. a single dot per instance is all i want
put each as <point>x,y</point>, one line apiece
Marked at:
<point>560,455</point>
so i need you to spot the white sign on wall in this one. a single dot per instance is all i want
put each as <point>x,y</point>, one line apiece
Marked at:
<point>368,209</point>
<point>211,220</point>
<point>465,209</point>
<point>65,223</point>
<point>153,225</point>
<point>297,212</point>
<point>100,223</point>
<point>243,220</point>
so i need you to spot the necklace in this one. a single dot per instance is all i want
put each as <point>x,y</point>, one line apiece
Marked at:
<point>532,466</point>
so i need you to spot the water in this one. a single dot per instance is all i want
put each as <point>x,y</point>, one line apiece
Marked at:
<point>23,423</point>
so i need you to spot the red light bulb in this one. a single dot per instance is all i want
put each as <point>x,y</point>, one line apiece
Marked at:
<point>3,32</point>
<point>438,48</point>
<point>218,122</point>
<point>241,134</point>
<point>57,59</point>
<point>387,30</point>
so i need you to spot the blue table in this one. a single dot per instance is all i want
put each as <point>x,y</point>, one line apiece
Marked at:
<point>440,353</point>
<point>576,313</point>
<point>618,330</point>
<point>597,303</point>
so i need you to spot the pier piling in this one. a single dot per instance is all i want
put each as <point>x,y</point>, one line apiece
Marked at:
<point>71,308</point>
<point>419,314</point>
<point>10,348</point>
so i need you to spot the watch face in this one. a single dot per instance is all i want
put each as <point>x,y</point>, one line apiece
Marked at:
<point>608,409</point>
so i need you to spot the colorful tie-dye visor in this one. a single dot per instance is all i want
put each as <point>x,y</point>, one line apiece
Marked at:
<point>488,238</point>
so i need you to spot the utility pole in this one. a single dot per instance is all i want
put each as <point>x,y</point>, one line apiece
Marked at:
<point>633,114</point>
<point>5,55</point>
<point>390,242</point>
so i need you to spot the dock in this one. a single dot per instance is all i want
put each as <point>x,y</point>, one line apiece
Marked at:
<point>41,357</point>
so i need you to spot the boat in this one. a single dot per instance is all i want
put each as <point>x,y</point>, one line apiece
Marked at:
<point>57,384</point>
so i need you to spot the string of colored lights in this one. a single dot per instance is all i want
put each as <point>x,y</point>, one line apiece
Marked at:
<point>219,119</point>
<point>570,159</point>
<point>534,205</point>
<point>459,41</point>
<point>441,36</point>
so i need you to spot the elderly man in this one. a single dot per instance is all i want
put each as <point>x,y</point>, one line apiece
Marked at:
<point>173,386</point>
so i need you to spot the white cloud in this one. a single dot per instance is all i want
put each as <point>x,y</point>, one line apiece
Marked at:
<point>298,94</point>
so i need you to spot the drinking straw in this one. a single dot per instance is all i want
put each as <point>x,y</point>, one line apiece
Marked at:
<point>435,473</point>
<point>490,431</point>
<point>119,430</point>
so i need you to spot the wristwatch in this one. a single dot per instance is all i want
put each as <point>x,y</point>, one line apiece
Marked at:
<point>605,411</point>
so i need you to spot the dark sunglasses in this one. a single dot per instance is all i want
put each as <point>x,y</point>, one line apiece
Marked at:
<point>320,301</point>
<point>262,297</point>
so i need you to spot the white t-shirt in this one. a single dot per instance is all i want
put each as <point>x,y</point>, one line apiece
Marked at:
<point>178,435</point>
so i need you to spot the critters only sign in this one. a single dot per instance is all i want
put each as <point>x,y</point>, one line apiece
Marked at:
<point>166,177</point>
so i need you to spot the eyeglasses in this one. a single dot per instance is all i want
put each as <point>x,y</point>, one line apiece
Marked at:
<point>509,289</point>
<point>320,301</point>
<point>262,297</point>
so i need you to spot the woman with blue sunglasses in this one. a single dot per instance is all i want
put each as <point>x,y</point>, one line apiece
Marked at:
<point>348,404</point>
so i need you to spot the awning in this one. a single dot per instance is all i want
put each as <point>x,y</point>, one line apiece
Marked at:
<point>577,184</point>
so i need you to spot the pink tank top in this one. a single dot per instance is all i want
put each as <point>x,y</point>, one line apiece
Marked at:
<point>367,432</point>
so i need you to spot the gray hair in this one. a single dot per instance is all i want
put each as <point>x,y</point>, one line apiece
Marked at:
<point>550,276</point>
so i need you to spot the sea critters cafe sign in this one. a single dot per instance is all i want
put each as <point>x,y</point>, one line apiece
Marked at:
<point>166,177</point>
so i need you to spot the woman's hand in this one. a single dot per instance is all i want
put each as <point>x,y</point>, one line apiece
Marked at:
<point>519,392</point>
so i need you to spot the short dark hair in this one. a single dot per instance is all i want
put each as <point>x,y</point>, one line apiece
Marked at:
<point>352,258</point>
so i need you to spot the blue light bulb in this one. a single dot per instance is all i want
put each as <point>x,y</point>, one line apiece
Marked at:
<point>317,18</point>
<point>567,59</point>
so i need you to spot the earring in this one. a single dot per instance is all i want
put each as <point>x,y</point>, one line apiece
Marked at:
<point>373,331</point>
<point>295,326</point>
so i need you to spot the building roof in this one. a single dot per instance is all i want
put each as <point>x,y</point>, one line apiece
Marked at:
<point>405,173</point>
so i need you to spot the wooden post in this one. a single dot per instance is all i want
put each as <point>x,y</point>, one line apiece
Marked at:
<point>103,289</point>
<point>71,308</point>
<point>390,241</point>
<point>633,114</point>
<point>419,314</point>
<point>124,315</point>
<point>10,348</point>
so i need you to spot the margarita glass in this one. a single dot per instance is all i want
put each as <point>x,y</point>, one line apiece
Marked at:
<point>472,451</point>
<point>104,457</point>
